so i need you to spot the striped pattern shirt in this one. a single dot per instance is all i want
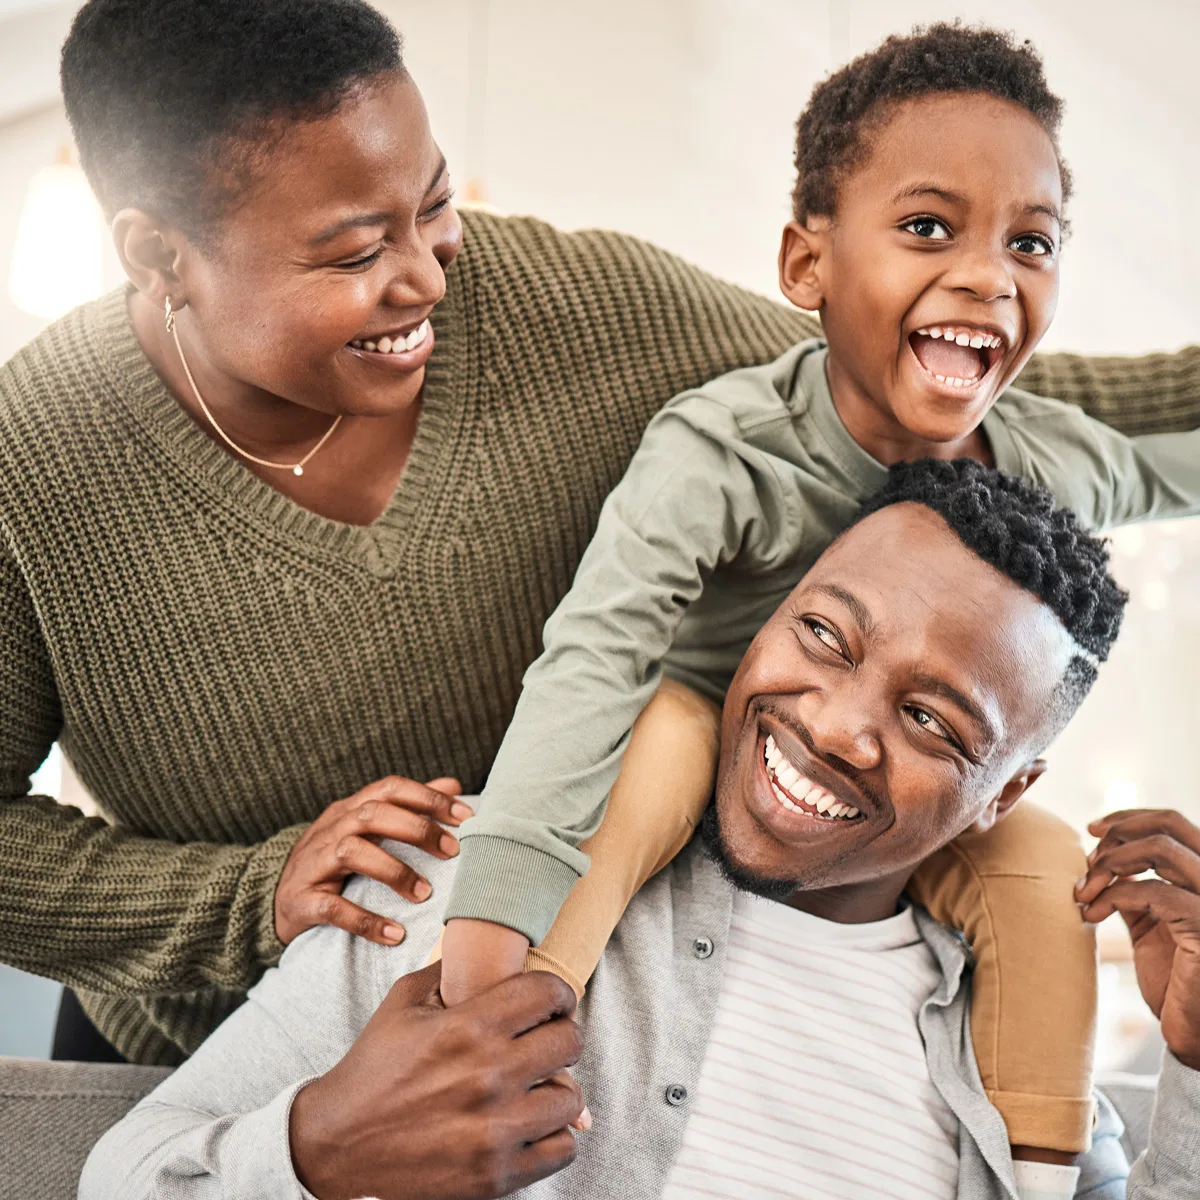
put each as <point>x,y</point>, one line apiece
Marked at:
<point>815,1083</point>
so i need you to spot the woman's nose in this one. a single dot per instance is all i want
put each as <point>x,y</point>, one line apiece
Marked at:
<point>419,280</point>
<point>841,727</point>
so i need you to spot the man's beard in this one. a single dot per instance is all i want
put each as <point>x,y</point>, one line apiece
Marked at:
<point>742,879</point>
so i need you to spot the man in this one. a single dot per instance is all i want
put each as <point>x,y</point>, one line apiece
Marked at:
<point>915,674</point>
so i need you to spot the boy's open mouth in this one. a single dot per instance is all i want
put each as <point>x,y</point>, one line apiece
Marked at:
<point>957,356</point>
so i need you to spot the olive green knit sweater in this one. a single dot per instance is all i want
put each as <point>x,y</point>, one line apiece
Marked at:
<point>219,664</point>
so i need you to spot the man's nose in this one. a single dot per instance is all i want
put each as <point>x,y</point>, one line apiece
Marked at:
<point>841,726</point>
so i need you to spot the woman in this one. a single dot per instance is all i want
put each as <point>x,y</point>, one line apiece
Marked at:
<point>283,519</point>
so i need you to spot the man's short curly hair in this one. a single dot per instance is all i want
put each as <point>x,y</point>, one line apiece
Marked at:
<point>832,134</point>
<point>173,102</point>
<point>1015,526</point>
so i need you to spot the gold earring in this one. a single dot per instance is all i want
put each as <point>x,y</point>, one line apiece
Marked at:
<point>169,316</point>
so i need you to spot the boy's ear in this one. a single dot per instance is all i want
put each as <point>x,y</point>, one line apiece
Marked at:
<point>800,254</point>
<point>1002,804</point>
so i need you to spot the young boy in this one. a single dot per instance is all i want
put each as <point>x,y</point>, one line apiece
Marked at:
<point>928,223</point>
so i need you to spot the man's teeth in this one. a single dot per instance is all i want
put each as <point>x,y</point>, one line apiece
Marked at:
<point>396,345</point>
<point>964,337</point>
<point>793,790</point>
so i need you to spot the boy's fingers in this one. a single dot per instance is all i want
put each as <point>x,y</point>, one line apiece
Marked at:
<point>1134,898</point>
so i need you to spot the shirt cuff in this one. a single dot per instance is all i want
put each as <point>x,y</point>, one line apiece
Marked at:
<point>509,883</point>
<point>1175,1126</point>
<point>256,1153</point>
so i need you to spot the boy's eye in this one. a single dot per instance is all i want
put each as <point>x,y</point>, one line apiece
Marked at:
<point>929,228</point>
<point>1033,244</point>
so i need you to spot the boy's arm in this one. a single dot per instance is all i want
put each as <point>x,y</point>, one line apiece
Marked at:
<point>1151,393</point>
<point>1107,477</point>
<point>694,497</point>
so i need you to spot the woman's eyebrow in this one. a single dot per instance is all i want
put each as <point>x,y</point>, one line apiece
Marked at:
<point>364,220</point>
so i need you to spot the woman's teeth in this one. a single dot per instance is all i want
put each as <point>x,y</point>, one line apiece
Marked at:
<point>799,794</point>
<point>397,345</point>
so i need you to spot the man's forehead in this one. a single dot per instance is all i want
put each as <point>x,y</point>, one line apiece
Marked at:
<point>937,607</point>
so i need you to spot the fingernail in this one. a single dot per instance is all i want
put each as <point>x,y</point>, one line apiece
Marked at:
<point>1079,883</point>
<point>460,811</point>
<point>393,933</point>
<point>422,890</point>
<point>448,844</point>
<point>585,1119</point>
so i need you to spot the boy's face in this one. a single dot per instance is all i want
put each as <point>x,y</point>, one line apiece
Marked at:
<point>950,224</point>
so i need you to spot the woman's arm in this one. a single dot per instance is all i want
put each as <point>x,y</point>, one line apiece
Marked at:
<point>92,905</point>
<point>1153,393</point>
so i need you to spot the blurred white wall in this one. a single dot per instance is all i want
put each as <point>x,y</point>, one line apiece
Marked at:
<point>672,119</point>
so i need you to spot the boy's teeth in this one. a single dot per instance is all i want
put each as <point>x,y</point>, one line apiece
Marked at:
<point>793,790</point>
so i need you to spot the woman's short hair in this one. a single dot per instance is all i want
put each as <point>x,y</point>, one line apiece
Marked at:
<point>173,103</point>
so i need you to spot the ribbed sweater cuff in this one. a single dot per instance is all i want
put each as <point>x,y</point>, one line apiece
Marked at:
<point>509,883</point>
<point>262,877</point>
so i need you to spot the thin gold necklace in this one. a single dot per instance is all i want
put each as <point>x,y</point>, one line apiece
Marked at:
<point>295,468</point>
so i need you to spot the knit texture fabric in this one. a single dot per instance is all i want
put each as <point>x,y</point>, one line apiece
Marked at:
<point>220,664</point>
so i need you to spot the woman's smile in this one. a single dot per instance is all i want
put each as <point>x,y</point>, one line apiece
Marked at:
<point>402,350</point>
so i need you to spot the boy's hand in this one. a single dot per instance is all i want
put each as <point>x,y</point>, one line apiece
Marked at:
<point>477,955</point>
<point>1163,914</point>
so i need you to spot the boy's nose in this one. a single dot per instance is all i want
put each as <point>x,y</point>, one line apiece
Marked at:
<point>985,274</point>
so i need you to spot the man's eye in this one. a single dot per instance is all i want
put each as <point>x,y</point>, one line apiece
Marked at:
<point>931,724</point>
<point>825,634</point>
<point>1033,244</point>
<point>929,228</point>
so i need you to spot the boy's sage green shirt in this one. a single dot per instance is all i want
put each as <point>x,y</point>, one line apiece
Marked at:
<point>736,489</point>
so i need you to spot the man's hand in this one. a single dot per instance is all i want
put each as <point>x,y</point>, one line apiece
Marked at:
<point>1163,914</point>
<point>437,1104</point>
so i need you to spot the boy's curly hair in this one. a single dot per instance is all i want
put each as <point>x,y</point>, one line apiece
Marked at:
<point>831,134</point>
<point>1015,526</point>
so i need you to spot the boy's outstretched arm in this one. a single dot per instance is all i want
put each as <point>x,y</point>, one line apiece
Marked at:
<point>694,497</point>
<point>1149,393</point>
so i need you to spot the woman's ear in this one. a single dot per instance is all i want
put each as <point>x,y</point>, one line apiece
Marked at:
<point>800,255</point>
<point>1001,805</point>
<point>151,254</point>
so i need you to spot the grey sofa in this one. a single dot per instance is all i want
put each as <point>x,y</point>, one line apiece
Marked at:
<point>52,1113</point>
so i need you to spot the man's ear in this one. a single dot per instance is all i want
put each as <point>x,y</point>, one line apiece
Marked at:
<point>152,255</point>
<point>800,258</point>
<point>1002,804</point>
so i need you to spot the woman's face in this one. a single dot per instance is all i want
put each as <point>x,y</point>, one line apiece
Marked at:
<point>343,238</point>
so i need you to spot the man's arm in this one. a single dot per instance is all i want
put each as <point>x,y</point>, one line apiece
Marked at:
<point>311,1080</point>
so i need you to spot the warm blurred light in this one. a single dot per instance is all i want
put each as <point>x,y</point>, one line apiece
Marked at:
<point>58,260</point>
<point>1120,793</point>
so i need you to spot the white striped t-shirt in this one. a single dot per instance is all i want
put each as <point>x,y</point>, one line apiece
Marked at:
<point>815,1083</point>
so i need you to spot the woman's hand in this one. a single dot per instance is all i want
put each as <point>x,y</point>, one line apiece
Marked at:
<point>343,841</point>
<point>1163,914</point>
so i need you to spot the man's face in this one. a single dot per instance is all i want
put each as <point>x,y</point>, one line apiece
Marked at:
<point>883,709</point>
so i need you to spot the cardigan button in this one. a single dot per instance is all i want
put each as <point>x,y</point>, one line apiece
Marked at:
<point>676,1094</point>
<point>702,947</point>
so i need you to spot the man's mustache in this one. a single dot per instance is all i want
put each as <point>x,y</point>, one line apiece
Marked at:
<point>831,762</point>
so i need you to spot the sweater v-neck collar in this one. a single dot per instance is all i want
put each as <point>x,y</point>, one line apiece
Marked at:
<point>378,546</point>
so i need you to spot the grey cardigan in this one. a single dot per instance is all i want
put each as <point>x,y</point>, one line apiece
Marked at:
<point>218,1127</point>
